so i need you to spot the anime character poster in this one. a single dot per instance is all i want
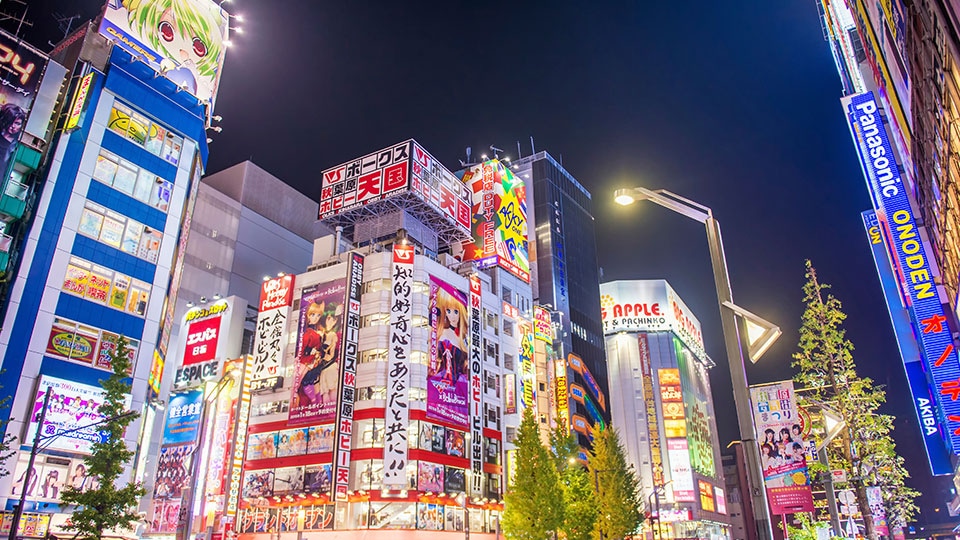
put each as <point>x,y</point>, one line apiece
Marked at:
<point>258,484</point>
<point>317,370</point>
<point>262,445</point>
<point>292,442</point>
<point>447,373</point>
<point>429,477</point>
<point>166,515</point>
<point>183,39</point>
<point>21,68</point>
<point>73,408</point>
<point>288,480</point>
<point>320,439</point>
<point>318,478</point>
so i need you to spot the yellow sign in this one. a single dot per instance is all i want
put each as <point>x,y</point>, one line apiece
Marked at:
<point>79,101</point>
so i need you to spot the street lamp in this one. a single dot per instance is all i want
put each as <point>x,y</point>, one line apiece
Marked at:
<point>760,336</point>
<point>655,495</point>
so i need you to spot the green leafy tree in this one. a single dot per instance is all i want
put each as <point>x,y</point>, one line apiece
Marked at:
<point>579,502</point>
<point>533,508</point>
<point>107,506</point>
<point>619,506</point>
<point>807,529</point>
<point>826,370</point>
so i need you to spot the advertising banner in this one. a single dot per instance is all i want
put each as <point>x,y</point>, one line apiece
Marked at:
<point>368,179</point>
<point>447,384</point>
<point>900,229</point>
<point>510,393</point>
<point>499,224</point>
<point>317,370</point>
<point>649,306</point>
<point>348,383</point>
<point>174,470</point>
<point>317,478</point>
<point>671,403</point>
<point>185,40</point>
<point>681,474</point>
<point>696,399</point>
<point>542,325</point>
<point>73,406</point>
<point>430,477</point>
<point>528,375</point>
<point>650,404</point>
<point>782,449</point>
<point>21,68</point>
<point>476,386</point>
<point>398,372</point>
<point>276,297</point>
<point>875,500</point>
<point>201,342</point>
<point>184,411</point>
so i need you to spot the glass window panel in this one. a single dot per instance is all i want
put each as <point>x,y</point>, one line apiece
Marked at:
<point>106,168</point>
<point>119,120</point>
<point>126,178</point>
<point>77,277</point>
<point>90,223</point>
<point>98,286</point>
<point>131,238</point>
<point>160,197</point>
<point>171,148</point>
<point>139,296</point>
<point>118,291</point>
<point>155,137</point>
<point>145,182</point>
<point>137,131</point>
<point>111,232</point>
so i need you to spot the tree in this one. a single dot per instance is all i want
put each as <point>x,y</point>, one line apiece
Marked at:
<point>533,506</point>
<point>617,489</point>
<point>826,370</point>
<point>106,506</point>
<point>579,502</point>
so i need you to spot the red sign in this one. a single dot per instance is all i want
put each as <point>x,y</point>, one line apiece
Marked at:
<point>790,500</point>
<point>202,337</point>
<point>275,293</point>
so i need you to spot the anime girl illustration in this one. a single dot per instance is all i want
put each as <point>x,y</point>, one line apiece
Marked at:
<point>188,37</point>
<point>451,330</point>
<point>447,373</point>
<point>317,373</point>
<point>310,350</point>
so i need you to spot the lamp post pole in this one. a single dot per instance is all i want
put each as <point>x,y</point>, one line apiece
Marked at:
<point>733,340</point>
<point>28,474</point>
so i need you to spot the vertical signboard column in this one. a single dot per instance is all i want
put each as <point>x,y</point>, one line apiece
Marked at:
<point>276,297</point>
<point>398,372</point>
<point>476,389</point>
<point>348,381</point>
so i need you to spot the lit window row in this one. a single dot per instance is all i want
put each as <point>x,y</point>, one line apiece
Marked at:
<point>144,132</point>
<point>86,344</point>
<point>106,287</point>
<point>118,231</point>
<point>132,180</point>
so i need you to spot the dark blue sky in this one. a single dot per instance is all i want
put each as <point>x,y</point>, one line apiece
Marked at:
<point>735,108</point>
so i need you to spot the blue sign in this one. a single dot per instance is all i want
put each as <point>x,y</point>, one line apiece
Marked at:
<point>938,453</point>
<point>934,335</point>
<point>183,417</point>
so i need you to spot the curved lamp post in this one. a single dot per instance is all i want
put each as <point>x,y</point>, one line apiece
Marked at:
<point>760,335</point>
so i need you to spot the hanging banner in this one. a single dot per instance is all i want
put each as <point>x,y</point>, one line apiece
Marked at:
<point>782,449</point>
<point>447,373</point>
<point>528,377</point>
<point>398,372</point>
<point>650,403</point>
<point>348,383</point>
<point>72,411</point>
<point>276,297</point>
<point>317,370</point>
<point>476,388</point>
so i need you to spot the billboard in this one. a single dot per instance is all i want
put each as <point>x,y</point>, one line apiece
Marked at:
<point>528,374</point>
<point>542,325</point>
<point>21,68</point>
<point>184,411</point>
<point>476,386</point>
<point>696,400</point>
<point>398,373</point>
<point>404,168</point>
<point>351,335</point>
<point>938,454</point>
<point>73,407</point>
<point>900,229</point>
<point>316,372</point>
<point>447,374</point>
<point>185,40</point>
<point>783,458</point>
<point>650,406</point>
<point>201,342</point>
<point>649,305</point>
<point>681,475</point>
<point>499,222</point>
<point>276,297</point>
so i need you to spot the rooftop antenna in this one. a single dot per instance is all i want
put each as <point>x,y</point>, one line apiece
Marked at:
<point>519,153</point>
<point>21,20</point>
<point>65,23</point>
<point>469,151</point>
<point>496,151</point>
<point>533,149</point>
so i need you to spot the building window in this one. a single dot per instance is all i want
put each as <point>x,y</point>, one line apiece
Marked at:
<point>143,132</point>
<point>508,362</point>
<point>89,345</point>
<point>506,295</point>
<point>106,287</point>
<point>371,392</point>
<point>120,232</point>
<point>373,355</point>
<point>507,327</point>
<point>131,180</point>
<point>492,321</point>
<point>377,285</point>
<point>376,319</point>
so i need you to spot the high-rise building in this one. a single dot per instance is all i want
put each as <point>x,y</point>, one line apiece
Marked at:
<point>662,406</point>
<point>895,61</point>
<point>101,258</point>
<point>565,279</point>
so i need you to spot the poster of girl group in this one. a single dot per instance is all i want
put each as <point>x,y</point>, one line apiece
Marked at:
<point>317,368</point>
<point>447,374</point>
<point>780,432</point>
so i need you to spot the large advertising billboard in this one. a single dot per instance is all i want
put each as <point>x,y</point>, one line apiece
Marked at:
<point>316,372</point>
<point>21,68</point>
<point>398,373</point>
<point>783,458</point>
<point>276,296</point>
<point>649,305</point>
<point>696,399</point>
<point>447,374</point>
<point>904,239</point>
<point>71,413</point>
<point>499,222</point>
<point>185,40</point>
<point>348,380</point>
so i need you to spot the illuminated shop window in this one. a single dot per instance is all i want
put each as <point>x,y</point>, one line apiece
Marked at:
<point>106,287</point>
<point>130,179</point>
<point>117,231</point>
<point>377,285</point>
<point>70,340</point>
<point>376,319</point>
<point>145,133</point>
<point>373,355</point>
<point>418,357</point>
<point>367,474</point>
<point>371,392</point>
<point>421,287</point>
<point>419,321</point>
<point>368,433</point>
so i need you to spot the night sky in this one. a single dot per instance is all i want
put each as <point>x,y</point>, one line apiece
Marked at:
<point>735,108</point>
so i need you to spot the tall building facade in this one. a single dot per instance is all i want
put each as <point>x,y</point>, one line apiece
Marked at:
<point>896,61</point>
<point>100,260</point>
<point>663,408</point>
<point>565,280</point>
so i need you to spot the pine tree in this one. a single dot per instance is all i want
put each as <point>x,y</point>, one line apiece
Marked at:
<point>533,508</point>
<point>579,503</point>
<point>617,488</point>
<point>826,370</point>
<point>106,506</point>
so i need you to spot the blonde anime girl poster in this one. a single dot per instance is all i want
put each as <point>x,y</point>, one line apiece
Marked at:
<point>447,373</point>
